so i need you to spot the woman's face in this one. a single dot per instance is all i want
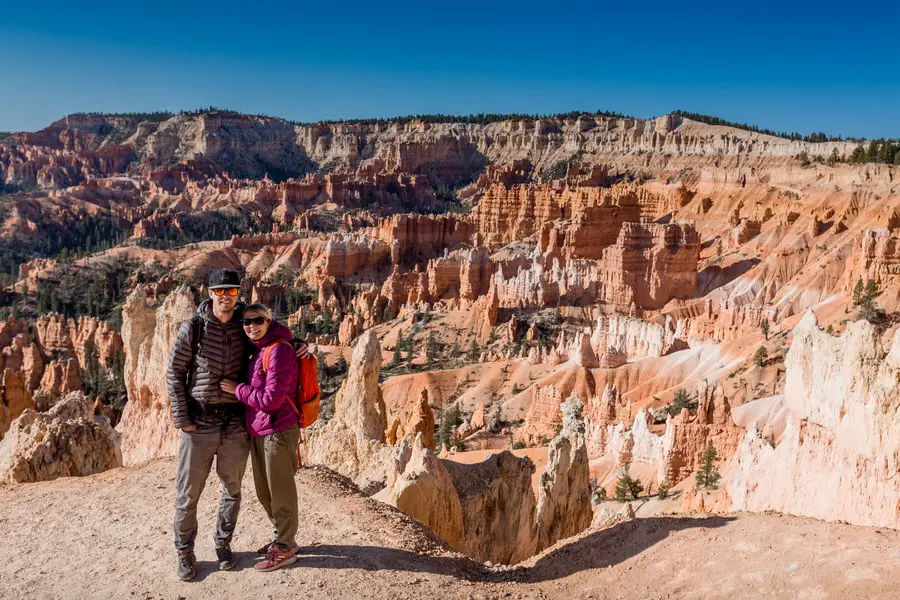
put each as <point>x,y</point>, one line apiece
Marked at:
<point>255,325</point>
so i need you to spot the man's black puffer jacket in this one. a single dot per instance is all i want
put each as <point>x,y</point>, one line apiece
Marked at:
<point>194,392</point>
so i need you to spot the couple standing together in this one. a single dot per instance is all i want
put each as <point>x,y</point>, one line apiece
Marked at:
<point>233,379</point>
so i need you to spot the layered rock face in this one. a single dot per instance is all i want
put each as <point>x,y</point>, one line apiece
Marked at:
<point>650,264</point>
<point>353,441</point>
<point>66,441</point>
<point>148,332</point>
<point>838,456</point>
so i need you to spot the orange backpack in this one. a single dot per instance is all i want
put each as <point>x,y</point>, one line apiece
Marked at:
<point>306,401</point>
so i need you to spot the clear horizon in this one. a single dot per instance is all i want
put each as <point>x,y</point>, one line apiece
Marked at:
<point>804,68</point>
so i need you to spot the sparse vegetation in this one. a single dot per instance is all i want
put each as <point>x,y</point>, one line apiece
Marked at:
<point>707,476</point>
<point>761,357</point>
<point>680,401</point>
<point>627,488</point>
<point>764,327</point>
<point>105,382</point>
<point>867,309</point>
<point>663,491</point>
<point>558,169</point>
<point>449,420</point>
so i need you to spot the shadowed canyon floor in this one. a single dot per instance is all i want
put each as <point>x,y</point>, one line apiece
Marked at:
<point>109,536</point>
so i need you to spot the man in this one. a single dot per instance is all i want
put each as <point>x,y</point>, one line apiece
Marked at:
<point>209,348</point>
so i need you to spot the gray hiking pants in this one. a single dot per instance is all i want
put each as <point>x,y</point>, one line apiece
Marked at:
<point>231,447</point>
<point>275,464</point>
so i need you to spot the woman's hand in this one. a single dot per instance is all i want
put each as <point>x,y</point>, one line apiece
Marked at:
<point>228,385</point>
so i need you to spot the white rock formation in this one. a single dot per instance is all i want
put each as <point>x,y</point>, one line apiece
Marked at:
<point>839,456</point>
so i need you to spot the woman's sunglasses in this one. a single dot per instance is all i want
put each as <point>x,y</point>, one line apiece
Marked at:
<point>230,291</point>
<point>254,321</point>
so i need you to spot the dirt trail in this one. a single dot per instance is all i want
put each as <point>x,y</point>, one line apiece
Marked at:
<point>108,536</point>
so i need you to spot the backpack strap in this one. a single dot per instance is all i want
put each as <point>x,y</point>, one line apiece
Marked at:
<point>197,327</point>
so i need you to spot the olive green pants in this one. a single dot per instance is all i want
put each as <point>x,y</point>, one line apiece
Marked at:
<point>274,459</point>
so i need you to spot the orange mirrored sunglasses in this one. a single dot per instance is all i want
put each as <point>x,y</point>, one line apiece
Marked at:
<point>230,291</point>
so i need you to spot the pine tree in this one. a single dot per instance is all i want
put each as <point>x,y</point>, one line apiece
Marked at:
<point>857,291</point>
<point>680,401</point>
<point>867,307</point>
<point>764,326</point>
<point>397,358</point>
<point>761,356</point>
<point>663,491</point>
<point>627,487</point>
<point>450,420</point>
<point>707,476</point>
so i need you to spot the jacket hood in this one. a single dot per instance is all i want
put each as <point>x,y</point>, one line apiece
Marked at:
<point>205,309</point>
<point>276,331</point>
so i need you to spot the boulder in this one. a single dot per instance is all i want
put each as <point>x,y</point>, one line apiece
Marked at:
<point>66,441</point>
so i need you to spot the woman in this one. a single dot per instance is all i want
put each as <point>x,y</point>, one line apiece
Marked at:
<point>269,396</point>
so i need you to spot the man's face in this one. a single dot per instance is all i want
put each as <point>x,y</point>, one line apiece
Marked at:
<point>224,303</point>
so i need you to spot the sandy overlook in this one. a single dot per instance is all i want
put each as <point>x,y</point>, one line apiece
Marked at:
<point>353,547</point>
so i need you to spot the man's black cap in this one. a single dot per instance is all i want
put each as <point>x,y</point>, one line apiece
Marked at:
<point>224,278</point>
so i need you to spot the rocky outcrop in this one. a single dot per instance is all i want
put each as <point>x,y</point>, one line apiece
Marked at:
<point>877,258</point>
<point>544,416</point>
<point>600,414</point>
<point>422,488</point>
<point>61,377</point>
<point>353,441</point>
<point>84,335</point>
<point>650,264</point>
<point>838,456</point>
<point>498,507</point>
<point>15,398</point>
<point>638,338</point>
<point>66,441</point>
<point>488,510</point>
<point>564,493</point>
<point>410,421</point>
<point>687,436</point>
<point>148,332</point>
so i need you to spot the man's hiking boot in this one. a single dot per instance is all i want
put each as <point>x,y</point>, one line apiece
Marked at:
<point>225,556</point>
<point>186,565</point>
<point>278,556</point>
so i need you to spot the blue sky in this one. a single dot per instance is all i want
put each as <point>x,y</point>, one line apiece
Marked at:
<point>797,66</point>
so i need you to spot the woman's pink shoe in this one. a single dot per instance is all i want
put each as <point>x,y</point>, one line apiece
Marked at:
<point>276,558</point>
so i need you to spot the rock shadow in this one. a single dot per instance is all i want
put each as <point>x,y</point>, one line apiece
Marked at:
<point>714,276</point>
<point>611,546</point>
<point>375,558</point>
<point>596,550</point>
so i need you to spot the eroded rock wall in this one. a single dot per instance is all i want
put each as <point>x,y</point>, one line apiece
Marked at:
<point>838,456</point>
